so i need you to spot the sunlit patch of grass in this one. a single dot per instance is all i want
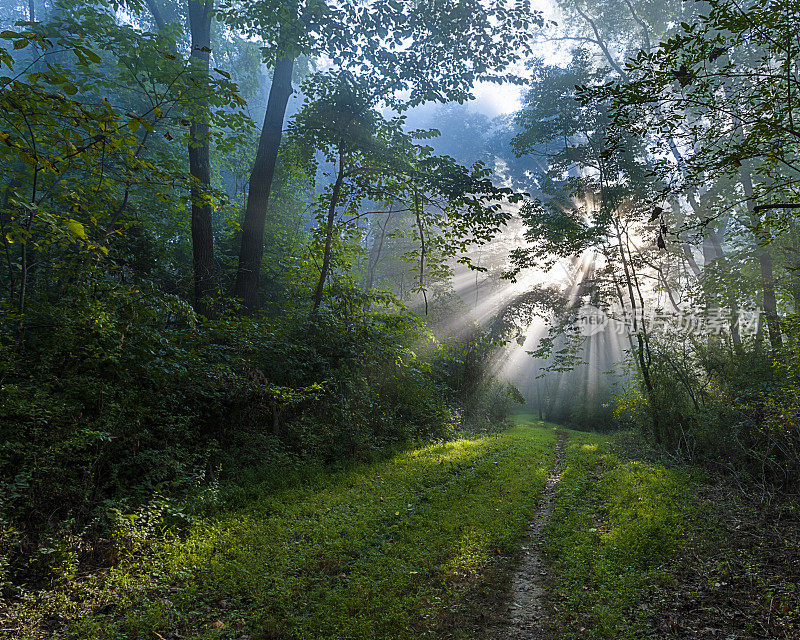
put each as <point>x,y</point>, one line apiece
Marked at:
<point>614,524</point>
<point>530,420</point>
<point>376,551</point>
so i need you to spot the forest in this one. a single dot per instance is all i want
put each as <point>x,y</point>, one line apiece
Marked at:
<point>399,319</point>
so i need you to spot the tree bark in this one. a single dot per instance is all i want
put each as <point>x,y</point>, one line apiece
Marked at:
<point>255,216</point>
<point>765,264</point>
<point>417,213</point>
<point>326,256</point>
<point>5,215</point>
<point>200,165</point>
<point>794,259</point>
<point>539,402</point>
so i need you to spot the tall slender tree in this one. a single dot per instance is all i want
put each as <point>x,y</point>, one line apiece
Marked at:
<point>420,59</point>
<point>200,14</point>
<point>260,184</point>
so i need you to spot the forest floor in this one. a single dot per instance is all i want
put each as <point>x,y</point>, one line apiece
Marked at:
<point>527,612</point>
<point>450,541</point>
<point>636,548</point>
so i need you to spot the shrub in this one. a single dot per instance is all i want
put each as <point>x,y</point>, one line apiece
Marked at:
<point>119,401</point>
<point>735,409</point>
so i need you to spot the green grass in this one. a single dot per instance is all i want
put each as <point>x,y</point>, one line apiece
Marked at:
<point>530,420</point>
<point>614,525</point>
<point>379,551</point>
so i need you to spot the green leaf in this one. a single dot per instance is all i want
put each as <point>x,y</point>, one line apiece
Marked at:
<point>76,229</point>
<point>91,55</point>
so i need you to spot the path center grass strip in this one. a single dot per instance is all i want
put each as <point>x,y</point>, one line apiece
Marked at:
<point>614,524</point>
<point>377,552</point>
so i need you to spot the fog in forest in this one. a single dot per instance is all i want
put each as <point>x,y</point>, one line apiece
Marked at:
<point>245,242</point>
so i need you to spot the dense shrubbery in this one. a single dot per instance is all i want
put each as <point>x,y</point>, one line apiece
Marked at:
<point>732,408</point>
<point>105,405</point>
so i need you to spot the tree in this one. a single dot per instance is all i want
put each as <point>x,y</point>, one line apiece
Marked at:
<point>405,47</point>
<point>200,13</point>
<point>260,184</point>
<point>592,206</point>
<point>450,206</point>
<point>726,112</point>
<point>197,108</point>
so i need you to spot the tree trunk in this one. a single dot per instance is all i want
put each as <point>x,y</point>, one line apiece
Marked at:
<point>326,256</point>
<point>794,259</point>
<point>158,17</point>
<point>639,328</point>
<point>714,253</point>
<point>200,165</point>
<point>539,402</point>
<point>255,215</point>
<point>733,302</point>
<point>5,216</point>
<point>417,213</point>
<point>765,264</point>
<point>375,252</point>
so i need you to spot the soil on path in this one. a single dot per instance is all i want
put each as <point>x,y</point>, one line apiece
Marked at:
<point>527,615</point>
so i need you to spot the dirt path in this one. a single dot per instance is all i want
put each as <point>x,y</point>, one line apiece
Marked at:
<point>526,619</point>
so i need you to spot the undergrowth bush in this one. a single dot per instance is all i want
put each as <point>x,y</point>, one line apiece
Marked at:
<point>108,406</point>
<point>731,408</point>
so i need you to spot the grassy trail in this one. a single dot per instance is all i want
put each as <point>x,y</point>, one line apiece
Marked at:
<point>616,525</point>
<point>638,549</point>
<point>527,585</point>
<point>386,550</point>
<point>426,544</point>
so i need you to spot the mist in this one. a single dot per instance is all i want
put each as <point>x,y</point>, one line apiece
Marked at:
<point>401,319</point>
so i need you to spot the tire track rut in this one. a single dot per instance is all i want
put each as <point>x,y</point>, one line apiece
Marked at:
<point>527,614</point>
